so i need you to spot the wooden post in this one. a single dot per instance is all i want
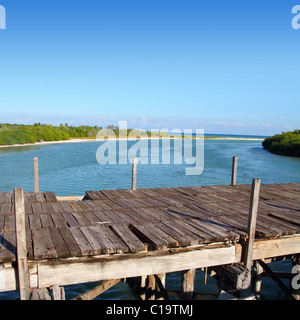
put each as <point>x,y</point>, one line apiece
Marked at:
<point>150,293</point>
<point>187,284</point>
<point>234,170</point>
<point>252,222</point>
<point>58,293</point>
<point>36,174</point>
<point>258,270</point>
<point>21,244</point>
<point>134,173</point>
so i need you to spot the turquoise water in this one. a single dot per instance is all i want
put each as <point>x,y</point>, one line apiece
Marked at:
<point>72,168</point>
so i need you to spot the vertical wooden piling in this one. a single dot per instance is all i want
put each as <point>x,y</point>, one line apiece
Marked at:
<point>252,222</point>
<point>187,284</point>
<point>36,174</point>
<point>134,173</point>
<point>234,170</point>
<point>21,243</point>
<point>258,270</point>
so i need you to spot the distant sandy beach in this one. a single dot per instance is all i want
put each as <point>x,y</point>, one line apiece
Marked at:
<point>87,140</point>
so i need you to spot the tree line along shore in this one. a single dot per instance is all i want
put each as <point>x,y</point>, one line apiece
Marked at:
<point>11,134</point>
<point>287,143</point>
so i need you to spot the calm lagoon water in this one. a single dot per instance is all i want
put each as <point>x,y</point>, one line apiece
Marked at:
<point>72,168</point>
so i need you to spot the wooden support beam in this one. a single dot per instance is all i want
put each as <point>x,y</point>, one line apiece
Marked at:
<point>252,222</point>
<point>233,277</point>
<point>134,173</point>
<point>276,279</point>
<point>234,170</point>
<point>36,174</point>
<point>58,293</point>
<point>95,292</point>
<point>160,282</point>
<point>187,284</point>
<point>21,243</point>
<point>150,293</point>
<point>40,294</point>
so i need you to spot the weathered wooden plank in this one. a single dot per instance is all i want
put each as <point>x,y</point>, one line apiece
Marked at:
<point>82,242</point>
<point>35,222</point>
<point>81,219</point>
<point>70,242</point>
<point>6,209</point>
<point>92,239</point>
<point>106,269</point>
<point>185,232</point>
<point>28,209</point>
<point>59,244</point>
<point>57,208</point>
<point>58,220</point>
<point>70,220</point>
<point>75,207</point>
<point>102,216</point>
<point>43,246</point>
<point>98,239</point>
<point>107,245</point>
<point>40,197</point>
<point>184,240</point>
<point>120,245</point>
<point>218,233</point>
<point>46,221</point>
<point>65,206</point>
<point>37,208</point>
<point>134,243</point>
<point>252,220</point>
<point>105,205</point>
<point>93,293</point>
<point>2,197</point>
<point>1,224</point>
<point>47,208</point>
<point>8,246</point>
<point>92,195</point>
<point>50,196</point>
<point>114,216</point>
<point>84,206</point>
<point>156,239</point>
<point>28,239</point>
<point>9,223</point>
<point>91,217</point>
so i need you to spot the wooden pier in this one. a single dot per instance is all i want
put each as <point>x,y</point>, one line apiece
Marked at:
<point>138,236</point>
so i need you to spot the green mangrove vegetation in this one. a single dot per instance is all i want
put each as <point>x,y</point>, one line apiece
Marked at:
<point>287,143</point>
<point>21,134</point>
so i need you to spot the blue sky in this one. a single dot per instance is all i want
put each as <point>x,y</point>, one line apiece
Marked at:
<point>222,66</point>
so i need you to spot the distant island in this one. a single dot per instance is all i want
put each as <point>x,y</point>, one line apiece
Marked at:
<point>38,133</point>
<point>287,143</point>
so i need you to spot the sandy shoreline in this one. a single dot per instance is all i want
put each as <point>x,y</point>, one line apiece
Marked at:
<point>86,140</point>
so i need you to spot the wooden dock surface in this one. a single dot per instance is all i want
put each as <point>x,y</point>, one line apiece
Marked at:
<point>146,220</point>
